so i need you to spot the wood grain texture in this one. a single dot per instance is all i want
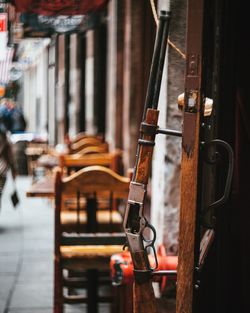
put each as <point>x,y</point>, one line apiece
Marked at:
<point>146,152</point>
<point>190,155</point>
<point>90,252</point>
<point>187,233</point>
<point>143,298</point>
<point>143,294</point>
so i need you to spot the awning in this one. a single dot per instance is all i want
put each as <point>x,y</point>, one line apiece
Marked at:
<point>58,7</point>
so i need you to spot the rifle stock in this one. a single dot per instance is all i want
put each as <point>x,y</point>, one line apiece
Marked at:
<point>143,298</point>
<point>134,221</point>
<point>143,294</point>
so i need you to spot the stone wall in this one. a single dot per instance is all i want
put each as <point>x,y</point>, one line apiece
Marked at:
<point>167,156</point>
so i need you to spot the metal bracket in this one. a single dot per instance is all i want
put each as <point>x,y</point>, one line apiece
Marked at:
<point>142,276</point>
<point>136,193</point>
<point>168,273</point>
<point>192,64</point>
<point>148,129</point>
<point>169,132</point>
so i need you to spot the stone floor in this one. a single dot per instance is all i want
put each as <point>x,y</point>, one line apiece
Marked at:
<point>26,255</point>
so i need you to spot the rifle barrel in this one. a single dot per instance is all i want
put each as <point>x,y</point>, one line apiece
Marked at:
<point>154,82</point>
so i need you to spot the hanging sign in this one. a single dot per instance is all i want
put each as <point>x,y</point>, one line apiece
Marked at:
<point>3,22</point>
<point>59,7</point>
<point>3,35</point>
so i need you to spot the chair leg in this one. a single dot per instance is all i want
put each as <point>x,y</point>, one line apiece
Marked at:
<point>58,288</point>
<point>115,301</point>
<point>92,289</point>
<point>129,297</point>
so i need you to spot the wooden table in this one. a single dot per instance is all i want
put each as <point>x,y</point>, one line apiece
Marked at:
<point>45,187</point>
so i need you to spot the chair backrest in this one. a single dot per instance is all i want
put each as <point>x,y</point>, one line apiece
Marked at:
<point>83,135</point>
<point>93,179</point>
<point>112,160</point>
<point>102,148</point>
<point>85,142</point>
<point>90,187</point>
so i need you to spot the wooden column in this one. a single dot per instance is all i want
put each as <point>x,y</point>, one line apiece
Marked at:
<point>89,80</point>
<point>119,73</point>
<point>188,235</point>
<point>51,98</point>
<point>115,59</point>
<point>81,120</point>
<point>74,86</point>
<point>137,61</point>
<point>100,76</point>
<point>66,84</point>
<point>60,89</point>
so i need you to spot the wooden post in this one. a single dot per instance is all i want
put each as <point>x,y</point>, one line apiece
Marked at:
<point>190,159</point>
<point>137,36</point>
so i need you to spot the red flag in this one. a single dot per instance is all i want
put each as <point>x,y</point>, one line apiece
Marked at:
<point>59,7</point>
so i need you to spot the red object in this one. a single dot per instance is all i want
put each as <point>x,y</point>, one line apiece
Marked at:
<point>3,22</point>
<point>59,7</point>
<point>122,267</point>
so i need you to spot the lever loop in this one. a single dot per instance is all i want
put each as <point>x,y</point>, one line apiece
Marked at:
<point>150,243</point>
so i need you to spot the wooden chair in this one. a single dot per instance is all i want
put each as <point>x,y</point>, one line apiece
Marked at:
<point>53,159</point>
<point>86,252</point>
<point>71,163</point>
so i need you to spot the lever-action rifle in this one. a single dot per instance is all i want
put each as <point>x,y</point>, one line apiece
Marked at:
<point>134,221</point>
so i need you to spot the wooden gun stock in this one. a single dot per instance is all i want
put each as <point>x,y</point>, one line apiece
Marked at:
<point>143,298</point>
<point>143,294</point>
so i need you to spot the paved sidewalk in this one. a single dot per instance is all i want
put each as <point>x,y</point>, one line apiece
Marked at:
<point>26,252</point>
